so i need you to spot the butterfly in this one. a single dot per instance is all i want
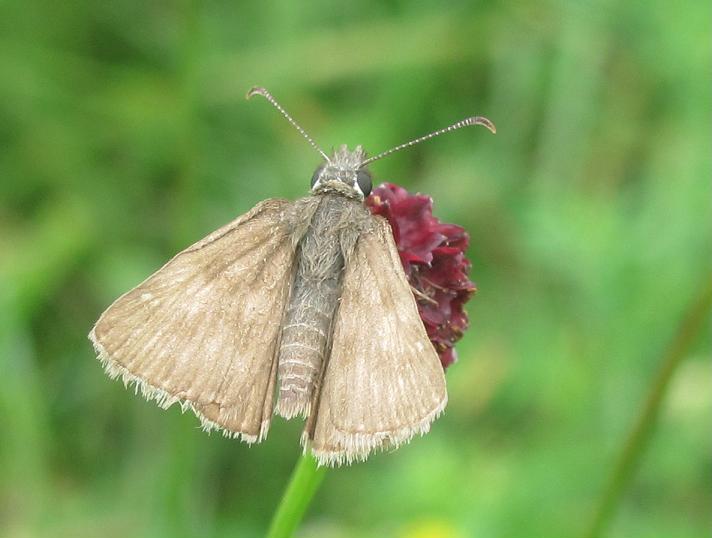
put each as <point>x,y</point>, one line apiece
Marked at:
<point>296,308</point>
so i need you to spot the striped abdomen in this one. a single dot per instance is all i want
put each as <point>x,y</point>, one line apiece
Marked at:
<point>307,321</point>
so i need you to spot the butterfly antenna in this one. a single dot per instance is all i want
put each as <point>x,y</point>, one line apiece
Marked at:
<point>264,93</point>
<point>474,120</point>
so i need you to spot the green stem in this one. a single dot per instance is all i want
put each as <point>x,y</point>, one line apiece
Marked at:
<point>638,439</point>
<point>305,480</point>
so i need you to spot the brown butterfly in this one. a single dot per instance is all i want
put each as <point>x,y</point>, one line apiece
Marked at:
<point>305,299</point>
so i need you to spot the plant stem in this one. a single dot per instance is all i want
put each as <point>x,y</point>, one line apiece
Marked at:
<point>639,436</point>
<point>305,480</point>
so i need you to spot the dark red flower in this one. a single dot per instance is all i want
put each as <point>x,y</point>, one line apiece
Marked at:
<point>433,256</point>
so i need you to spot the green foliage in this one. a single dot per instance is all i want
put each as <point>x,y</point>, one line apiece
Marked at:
<point>125,136</point>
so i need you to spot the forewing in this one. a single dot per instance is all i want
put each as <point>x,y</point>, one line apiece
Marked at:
<point>383,382</point>
<point>203,329</point>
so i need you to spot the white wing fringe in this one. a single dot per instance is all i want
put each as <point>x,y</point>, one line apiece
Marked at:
<point>164,399</point>
<point>358,446</point>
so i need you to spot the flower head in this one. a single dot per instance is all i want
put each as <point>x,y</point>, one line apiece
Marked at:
<point>433,257</point>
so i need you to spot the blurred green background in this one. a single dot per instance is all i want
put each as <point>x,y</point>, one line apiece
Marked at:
<point>125,136</point>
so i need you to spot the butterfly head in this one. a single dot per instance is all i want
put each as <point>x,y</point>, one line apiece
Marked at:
<point>343,173</point>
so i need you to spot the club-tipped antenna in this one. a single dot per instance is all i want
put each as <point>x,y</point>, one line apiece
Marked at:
<point>474,120</point>
<point>264,93</point>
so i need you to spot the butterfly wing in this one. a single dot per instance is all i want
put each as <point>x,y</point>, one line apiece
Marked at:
<point>203,330</point>
<point>384,381</point>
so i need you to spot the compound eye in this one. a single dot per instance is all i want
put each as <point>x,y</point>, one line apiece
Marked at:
<point>363,178</point>
<point>316,175</point>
